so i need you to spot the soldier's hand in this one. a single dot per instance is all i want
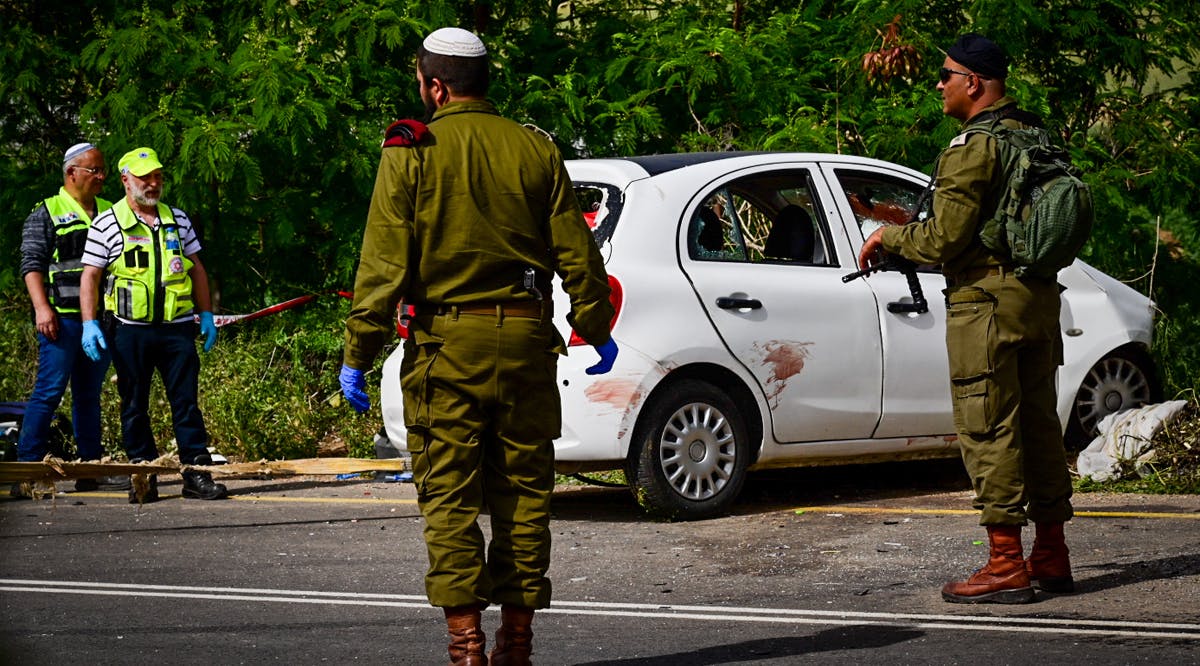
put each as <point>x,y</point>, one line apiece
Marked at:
<point>872,250</point>
<point>608,354</point>
<point>353,385</point>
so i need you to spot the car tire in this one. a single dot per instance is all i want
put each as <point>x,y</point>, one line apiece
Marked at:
<point>1123,379</point>
<point>692,453</point>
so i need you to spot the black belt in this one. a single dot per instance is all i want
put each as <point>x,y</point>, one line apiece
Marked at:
<point>531,309</point>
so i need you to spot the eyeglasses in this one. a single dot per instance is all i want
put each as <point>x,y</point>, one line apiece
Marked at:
<point>95,171</point>
<point>945,73</point>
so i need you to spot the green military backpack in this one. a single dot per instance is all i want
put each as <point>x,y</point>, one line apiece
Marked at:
<point>1044,216</point>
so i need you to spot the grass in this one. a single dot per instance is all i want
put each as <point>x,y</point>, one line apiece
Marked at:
<point>268,389</point>
<point>608,479</point>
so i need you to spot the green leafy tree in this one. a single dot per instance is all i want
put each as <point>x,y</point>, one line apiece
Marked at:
<point>269,114</point>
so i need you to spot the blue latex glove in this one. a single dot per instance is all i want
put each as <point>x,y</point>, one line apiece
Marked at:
<point>608,354</point>
<point>353,384</point>
<point>209,330</point>
<point>93,340</point>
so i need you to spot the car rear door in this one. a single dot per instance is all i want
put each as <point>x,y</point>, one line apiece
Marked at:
<point>811,342</point>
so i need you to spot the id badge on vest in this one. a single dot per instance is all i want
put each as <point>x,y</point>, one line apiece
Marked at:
<point>171,243</point>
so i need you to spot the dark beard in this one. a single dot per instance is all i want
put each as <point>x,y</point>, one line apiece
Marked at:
<point>430,109</point>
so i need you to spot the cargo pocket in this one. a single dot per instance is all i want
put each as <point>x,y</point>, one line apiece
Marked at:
<point>974,409</point>
<point>971,339</point>
<point>970,332</point>
<point>421,352</point>
<point>132,299</point>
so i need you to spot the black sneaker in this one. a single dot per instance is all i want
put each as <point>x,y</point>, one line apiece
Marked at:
<point>115,482</point>
<point>199,485</point>
<point>151,494</point>
<point>86,485</point>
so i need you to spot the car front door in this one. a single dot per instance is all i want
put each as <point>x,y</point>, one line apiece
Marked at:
<point>916,374</point>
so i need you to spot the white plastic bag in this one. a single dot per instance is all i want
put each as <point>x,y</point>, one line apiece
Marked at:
<point>1125,436</point>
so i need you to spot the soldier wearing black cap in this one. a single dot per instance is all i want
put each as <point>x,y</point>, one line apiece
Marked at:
<point>1002,337</point>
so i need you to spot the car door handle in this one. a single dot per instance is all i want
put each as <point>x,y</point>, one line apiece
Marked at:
<point>730,303</point>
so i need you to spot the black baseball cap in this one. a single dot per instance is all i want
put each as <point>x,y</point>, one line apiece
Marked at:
<point>981,55</point>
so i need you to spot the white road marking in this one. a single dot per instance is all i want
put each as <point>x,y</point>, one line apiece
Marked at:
<point>1102,628</point>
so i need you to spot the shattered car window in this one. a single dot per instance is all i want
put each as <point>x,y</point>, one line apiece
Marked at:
<point>878,200</point>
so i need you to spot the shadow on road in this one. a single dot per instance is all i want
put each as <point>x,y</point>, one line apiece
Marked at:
<point>1121,574</point>
<point>830,640</point>
<point>852,483</point>
<point>771,490</point>
<point>273,485</point>
<point>222,525</point>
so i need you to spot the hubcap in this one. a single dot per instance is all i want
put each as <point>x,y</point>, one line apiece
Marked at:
<point>1114,384</point>
<point>697,451</point>
<point>1113,401</point>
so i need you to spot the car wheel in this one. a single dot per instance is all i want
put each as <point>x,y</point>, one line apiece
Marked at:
<point>692,453</point>
<point>1122,380</point>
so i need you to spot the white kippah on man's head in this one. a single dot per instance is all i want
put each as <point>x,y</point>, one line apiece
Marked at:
<point>454,42</point>
<point>77,150</point>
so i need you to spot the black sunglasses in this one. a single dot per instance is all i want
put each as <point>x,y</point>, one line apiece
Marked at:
<point>945,73</point>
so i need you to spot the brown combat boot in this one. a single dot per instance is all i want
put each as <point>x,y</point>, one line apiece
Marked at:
<point>467,639</point>
<point>1049,565</point>
<point>1003,580</point>
<point>514,638</point>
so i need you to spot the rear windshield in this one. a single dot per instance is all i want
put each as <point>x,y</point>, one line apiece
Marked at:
<point>601,205</point>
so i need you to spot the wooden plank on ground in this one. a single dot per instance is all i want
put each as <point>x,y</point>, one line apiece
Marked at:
<point>53,469</point>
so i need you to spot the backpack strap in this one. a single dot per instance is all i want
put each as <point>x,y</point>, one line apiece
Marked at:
<point>991,231</point>
<point>1010,111</point>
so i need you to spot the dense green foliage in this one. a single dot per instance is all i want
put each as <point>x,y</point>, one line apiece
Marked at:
<point>268,115</point>
<point>268,390</point>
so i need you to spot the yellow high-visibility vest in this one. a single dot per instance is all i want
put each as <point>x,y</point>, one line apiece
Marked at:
<point>71,224</point>
<point>149,282</point>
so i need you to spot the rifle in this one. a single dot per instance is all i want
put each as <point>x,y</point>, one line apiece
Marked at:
<point>895,262</point>
<point>909,269</point>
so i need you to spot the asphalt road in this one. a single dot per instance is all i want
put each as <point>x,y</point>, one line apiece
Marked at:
<point>838,566</point>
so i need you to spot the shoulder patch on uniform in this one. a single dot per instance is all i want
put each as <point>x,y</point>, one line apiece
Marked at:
<point>960,140</point>
<point>537,130</point>
<point>405,133</point>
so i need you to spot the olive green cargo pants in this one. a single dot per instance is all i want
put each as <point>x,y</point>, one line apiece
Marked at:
<point>1004,347</point>
<point>482,409</point>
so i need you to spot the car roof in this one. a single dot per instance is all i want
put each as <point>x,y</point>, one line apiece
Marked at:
<point>656,164</point>
<point>621,171</point>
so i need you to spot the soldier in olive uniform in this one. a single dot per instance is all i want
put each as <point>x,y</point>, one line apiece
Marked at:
<point>1002,338</point>
<point>463,210</point>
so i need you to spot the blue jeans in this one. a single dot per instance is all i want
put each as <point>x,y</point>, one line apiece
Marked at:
<point>169,349</point>
<point>59,362</point>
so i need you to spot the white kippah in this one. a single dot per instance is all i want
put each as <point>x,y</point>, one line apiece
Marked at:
<point>77,150</point>
<point>454,42</point>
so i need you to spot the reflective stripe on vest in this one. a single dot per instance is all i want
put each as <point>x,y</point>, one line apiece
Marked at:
<point>71,224</point>
<point>149,281</point>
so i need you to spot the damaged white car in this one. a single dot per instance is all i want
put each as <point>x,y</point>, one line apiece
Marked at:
<point>742,347</point>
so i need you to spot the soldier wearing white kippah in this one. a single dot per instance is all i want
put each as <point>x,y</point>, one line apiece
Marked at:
<point>470,219</point>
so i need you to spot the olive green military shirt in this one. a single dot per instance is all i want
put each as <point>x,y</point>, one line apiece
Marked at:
<point>458,218</point>
<point>967,186</point>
